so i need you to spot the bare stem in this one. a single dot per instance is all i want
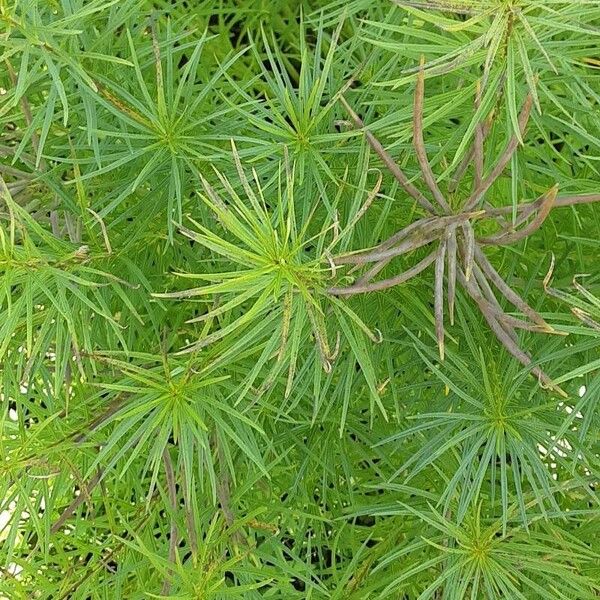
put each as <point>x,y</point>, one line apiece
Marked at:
<point>386,283</point>
<point>506,336</point>
<point>504,158</point>
<point>451,258</point>
<point>438,296</point>
<point>421,232</point>
<point>432,5</point>
<point>508,236</point>
<point>388,161</point>
<point>507,291</point>
<point>408,245</point>
<point>77,501</point>
<point>419,143</point>
<point>173,535</point>
<point>478,144</point>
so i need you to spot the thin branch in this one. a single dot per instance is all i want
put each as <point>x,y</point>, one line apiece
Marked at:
<point>372,272</point>
<point>365,207</point>
<point>190,518</point>
<point>506,337</point>
<point>421,224</point>
<point>475,291</point>
<point>419,143</point>
<point>507,291</point>
<point>451,258</point>
<point>174,534</point>
<point>84,493</point>
<point>485,288</point>
<point>573,200</point>
<point>438,296</point>
<point>388,161</point>
<point>478,143</point>
<point>468,159</point>
<point>432,5</point>
<point>504,158</point>
<point>528,207</point>
<point>408,245</point>
<point>386,283</point>
<point>224,491</point>
<point>510,237</point>
<point>14,172</point>
<point>421,232</point>
<point>469,236</point>
<point>96,422</point>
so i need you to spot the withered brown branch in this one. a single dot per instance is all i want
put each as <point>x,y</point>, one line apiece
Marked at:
<point>438,296</point>
<point>492,275</point>
<point>478,143</point>
<point>459,254</point>
<point>452,249</point>
<point>435,5</point>
<point>84,495</point>
<point>173,534</point>
<point>505,157</point>
<point>388,161</point>
<point>505,335</point>
<point>419,142</point>
<point>510,236</point>
<point>411,237</point>
<point>386,283</point>
<point>490,304</point>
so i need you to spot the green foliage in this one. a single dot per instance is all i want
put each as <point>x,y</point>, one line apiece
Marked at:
<point>221,225</point>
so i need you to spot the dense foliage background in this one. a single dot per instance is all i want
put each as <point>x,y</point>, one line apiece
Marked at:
<point>189,410</point>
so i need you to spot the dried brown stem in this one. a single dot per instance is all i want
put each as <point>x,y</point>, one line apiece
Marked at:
<point>451,258</point>
<point>585,318</point>
<point>478,143</point>
<point>405,246</point>
<point>419,142</point>
<point>506,336</point>
<point>386,283</point>
<point>528,207</point>
<point>574,200</point>
<point>372,272</point>
<point>504,157</point>
<point>173,535</point>
<point>421,224</point>
<point>14,172</point>
<point>223,486</point>
<point>509,236</point>
<point>365,207</point>
<point>84,494</point>
<point>95,423</point>
<point>478,286</point>
<point>507,291</point>
<point>190,518</point>
<point>467,160</point>
<point>484,287</point>
<point>421,232</point>
<point>438,296</point>
<point>477,291</point>
<point>469,253</point>
<point>394,169</point>
<point>431,5</point>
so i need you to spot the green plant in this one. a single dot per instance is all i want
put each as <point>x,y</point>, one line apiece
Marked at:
<point>218,365</point>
